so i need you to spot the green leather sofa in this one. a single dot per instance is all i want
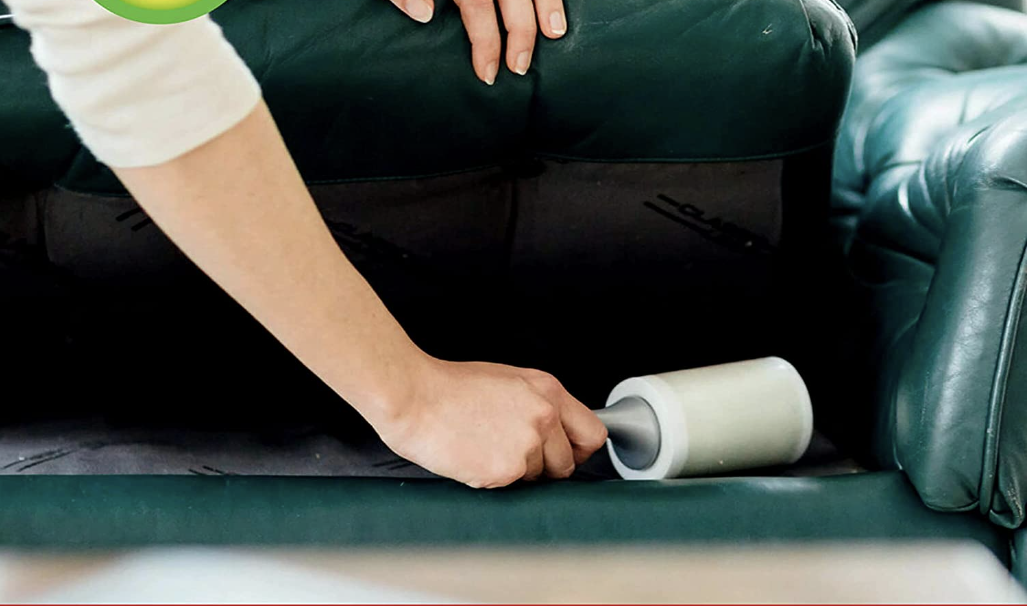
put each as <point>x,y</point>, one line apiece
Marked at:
<point>657,193</point>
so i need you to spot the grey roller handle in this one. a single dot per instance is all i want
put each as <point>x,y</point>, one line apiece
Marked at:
<point>633,431</point>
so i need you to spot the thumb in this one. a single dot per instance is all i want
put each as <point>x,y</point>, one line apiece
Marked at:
<point>419,10</point>
<point>584,429</point>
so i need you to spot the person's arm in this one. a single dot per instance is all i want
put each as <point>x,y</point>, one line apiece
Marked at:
<point>235,204</point>
<point>238,208</point>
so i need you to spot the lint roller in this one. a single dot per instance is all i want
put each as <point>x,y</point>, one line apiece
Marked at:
<point>708,420</point>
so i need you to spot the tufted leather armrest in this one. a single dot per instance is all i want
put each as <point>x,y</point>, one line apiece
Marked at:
<point>941,259</point>
<point>936,308</point>
<point>928,213</point>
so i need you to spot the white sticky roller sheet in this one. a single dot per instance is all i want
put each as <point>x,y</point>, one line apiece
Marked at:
<point>722,418</point>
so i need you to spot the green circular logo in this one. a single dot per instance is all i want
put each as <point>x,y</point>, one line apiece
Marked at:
<point>160,11</point>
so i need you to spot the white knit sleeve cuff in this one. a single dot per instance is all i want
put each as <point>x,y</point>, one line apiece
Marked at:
<point>137,94</point>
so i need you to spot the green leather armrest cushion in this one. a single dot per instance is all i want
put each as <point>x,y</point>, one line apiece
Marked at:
<point>929,210</point>
<point>934,312</point>
<point>954,390</point>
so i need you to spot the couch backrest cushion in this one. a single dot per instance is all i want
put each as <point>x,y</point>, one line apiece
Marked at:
<point>875,18</point>
<point>362,92</point>
<point>957,47</point>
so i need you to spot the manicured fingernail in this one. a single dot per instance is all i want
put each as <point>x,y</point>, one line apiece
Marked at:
<point>521,65</point>
<point>557,24</point>
<point>490,73</point>
<point>419,10</point>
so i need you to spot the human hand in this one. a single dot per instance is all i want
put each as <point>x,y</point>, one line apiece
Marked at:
<point>520,19</point>
<point>488,425</point>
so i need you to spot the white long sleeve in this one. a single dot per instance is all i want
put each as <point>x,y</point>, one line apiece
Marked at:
<point>136,94</point>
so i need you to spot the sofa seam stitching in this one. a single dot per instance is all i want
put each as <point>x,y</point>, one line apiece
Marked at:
<point>990,456</point>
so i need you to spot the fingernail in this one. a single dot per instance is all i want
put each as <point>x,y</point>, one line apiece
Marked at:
<point>521,65</point>
<point>490,73</point>
<point>557,24</point>
<point>419,10</point>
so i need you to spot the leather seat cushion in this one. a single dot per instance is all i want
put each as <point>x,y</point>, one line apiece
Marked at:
<point>98,511</point>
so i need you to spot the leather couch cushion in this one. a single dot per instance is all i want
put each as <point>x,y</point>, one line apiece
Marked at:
<point>362,92</point>
<point>99,512</point>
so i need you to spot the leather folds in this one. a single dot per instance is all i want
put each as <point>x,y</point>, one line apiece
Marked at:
<point>876,18</point>
<point>960,49</point>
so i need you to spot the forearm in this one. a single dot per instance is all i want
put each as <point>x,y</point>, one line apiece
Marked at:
<point>177,115</point>
<point>239,209</point>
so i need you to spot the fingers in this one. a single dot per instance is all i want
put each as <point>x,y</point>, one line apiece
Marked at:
<point>519,20</point>
<point>534,464</point>
<point>479,17</point>
<point>584,429</point>
<point>553,20</point>
<point>419,10</point>
<point>552,454</point>
<point>558,458</point>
